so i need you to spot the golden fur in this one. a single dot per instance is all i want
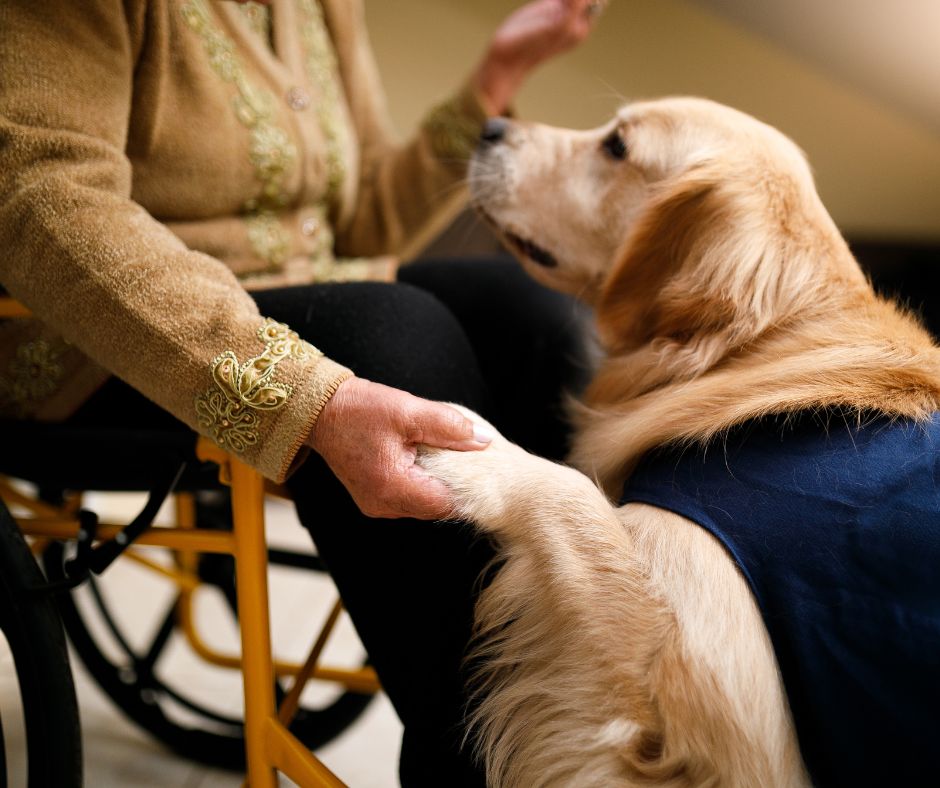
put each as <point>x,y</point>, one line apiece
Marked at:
<point>621,646</point>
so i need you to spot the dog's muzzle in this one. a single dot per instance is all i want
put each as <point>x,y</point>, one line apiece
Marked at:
<point>494,132</point>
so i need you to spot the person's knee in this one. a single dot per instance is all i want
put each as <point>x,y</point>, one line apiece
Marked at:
<point>395,334</point>
<point>517,307</point>
<point>419,346</point>
<point>408,325</point>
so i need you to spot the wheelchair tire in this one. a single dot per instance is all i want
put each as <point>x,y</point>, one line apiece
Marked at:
<point>33,629</point>
<point>206,737</point>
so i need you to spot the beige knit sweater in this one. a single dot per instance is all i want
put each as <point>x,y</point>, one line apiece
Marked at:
<point>157,157</point>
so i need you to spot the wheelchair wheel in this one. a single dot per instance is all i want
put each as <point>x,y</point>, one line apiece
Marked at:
<point>172,708</point>
<point>33,632</point>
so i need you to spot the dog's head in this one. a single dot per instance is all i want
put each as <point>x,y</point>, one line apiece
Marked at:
<point>681,218</point>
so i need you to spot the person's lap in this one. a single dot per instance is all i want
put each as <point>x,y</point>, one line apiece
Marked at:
<point>478,333</point>
<point>529,343</point>
<point>486,337</point>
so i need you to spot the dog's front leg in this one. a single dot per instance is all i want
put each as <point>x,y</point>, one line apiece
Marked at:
<point>568,629</point>
<point>615,647</point>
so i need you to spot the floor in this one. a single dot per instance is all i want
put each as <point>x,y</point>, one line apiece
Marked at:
<point>120,755</point>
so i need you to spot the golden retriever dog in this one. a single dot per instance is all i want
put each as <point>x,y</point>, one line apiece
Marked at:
<point>622,644</point>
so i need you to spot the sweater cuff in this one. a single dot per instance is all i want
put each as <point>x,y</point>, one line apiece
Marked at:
<point>453,128</point>
<point>285,448</point>
<point>263,409</point>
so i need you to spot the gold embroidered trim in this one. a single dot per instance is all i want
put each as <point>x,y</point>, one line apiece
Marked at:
<point>231,410</point>
<point>268,238</point>
<point>316,226</point>
<point>270,150</point>
<point>34,374</point>
<point>350,269</point>
<point>323,72</point>
<point>453,132</point>
<point>259,19</point>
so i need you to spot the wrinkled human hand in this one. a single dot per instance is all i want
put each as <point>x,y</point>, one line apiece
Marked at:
<point>534,33</point>
<point>369,435</point>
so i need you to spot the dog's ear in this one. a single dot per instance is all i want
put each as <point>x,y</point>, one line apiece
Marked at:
<point>662,241</point>
<point>706,268</point>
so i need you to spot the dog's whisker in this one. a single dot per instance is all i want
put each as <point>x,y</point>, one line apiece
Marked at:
<point>612,93</point>
<point>450,189</point>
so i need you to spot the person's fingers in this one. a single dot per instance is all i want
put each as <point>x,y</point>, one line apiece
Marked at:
<point>430,499</point>
<point>414,495</point>
<point>592,9</point>
<point>444,427</point>
<point>581,15</point>
<point>579,7</point>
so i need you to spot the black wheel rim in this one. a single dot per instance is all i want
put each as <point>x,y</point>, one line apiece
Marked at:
<point>133,683</point>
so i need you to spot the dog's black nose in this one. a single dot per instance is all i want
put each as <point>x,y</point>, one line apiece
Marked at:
<point>493,131</point>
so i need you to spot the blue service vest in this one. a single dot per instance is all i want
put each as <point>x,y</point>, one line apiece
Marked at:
<point>837,530</point>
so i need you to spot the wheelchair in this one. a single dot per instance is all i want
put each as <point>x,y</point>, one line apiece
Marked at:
<point>201,549</point>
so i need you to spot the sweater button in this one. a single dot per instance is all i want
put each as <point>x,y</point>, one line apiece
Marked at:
<point>298,99</point>
<point>310,226</point>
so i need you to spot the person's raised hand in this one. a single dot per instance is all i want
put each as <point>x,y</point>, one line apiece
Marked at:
<point>369,436</point>
<point>534,33</point>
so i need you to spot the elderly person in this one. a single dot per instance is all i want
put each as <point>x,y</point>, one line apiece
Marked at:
<point>183,186</point>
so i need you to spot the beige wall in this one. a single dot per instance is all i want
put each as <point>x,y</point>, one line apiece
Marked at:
<point>877,169</point>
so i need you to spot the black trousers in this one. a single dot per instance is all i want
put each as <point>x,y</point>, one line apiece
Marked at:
<point>476,332</point>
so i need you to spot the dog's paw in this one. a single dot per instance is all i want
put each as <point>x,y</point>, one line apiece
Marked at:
<point>485,483</point>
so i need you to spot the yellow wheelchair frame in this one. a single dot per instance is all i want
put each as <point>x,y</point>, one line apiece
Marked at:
<point>270,746</point>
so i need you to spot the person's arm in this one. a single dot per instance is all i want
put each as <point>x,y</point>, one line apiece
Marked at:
<point>92,264</point>
<point>407,191</point>
<point>369,434</point>
<point>531,35</point>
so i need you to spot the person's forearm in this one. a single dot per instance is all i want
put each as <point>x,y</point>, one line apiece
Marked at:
<point>497,83</point>
<point>533,34</point>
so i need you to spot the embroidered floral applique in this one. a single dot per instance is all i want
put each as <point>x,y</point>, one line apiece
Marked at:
<point>258,18</point>
<point>453,133</point>
<point>33,374</point>
<point>232,409</point>
<point>323,73</point>
<point>268,238</point>
<point>270,150</point>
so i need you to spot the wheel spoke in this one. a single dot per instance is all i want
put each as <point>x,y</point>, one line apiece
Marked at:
<point>296,560</point>
<point>202,710</point>
<point>108,620</point>
<point>144,666</point>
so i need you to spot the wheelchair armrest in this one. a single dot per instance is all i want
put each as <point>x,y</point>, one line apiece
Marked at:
<point>207,451</point>
<point>10,307</point>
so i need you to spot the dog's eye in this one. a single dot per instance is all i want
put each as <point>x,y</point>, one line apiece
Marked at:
<point>614,146</point>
